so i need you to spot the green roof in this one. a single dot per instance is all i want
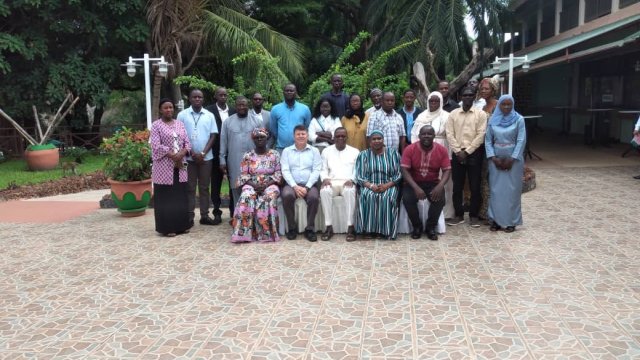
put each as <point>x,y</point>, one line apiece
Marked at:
<point>563,44</point>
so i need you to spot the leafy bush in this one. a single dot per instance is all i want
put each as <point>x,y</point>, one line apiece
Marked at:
<point>48,146</point>
<point>77,153</point>
<point>128,155</point>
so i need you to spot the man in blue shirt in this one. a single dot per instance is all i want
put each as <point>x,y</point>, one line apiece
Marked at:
<point>202,130</point>
<point>285,116</point>
<point>301,165</point>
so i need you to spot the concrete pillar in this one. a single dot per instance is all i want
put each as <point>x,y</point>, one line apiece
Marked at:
<point>539,23</point>
<point>615,5</point>
<point>581,10</point>
<point>557,17</point>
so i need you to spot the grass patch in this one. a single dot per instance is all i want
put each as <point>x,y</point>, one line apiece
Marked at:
<point>16,173</point>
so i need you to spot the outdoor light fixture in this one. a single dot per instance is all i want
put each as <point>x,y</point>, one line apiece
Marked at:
<point>526,64</point>
<point>163,69</point>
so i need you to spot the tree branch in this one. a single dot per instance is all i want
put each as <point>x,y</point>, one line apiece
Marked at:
<point>37,119</point>
<point>19,128</point>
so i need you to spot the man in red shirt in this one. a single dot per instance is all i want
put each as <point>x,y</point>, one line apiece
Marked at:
<point>421,165</point>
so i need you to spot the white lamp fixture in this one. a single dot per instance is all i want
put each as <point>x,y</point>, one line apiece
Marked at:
<point>163,69</point>
<point>526,64</point>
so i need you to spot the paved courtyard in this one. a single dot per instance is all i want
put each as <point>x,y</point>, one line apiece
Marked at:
<point>564,286</point>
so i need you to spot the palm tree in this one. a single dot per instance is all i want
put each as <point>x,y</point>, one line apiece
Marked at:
<point>183,30</point>
<point>439,24</point>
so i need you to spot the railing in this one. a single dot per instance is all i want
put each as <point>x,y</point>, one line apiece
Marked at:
<point>13,145</point>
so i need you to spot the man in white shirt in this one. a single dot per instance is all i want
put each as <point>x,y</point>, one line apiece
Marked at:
<point>338,175</point>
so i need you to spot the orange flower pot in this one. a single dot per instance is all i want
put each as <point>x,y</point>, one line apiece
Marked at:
<point>42,159</point>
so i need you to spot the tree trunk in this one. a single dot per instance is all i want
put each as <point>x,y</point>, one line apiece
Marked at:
<point>474,66</point>
<point>155,94</point>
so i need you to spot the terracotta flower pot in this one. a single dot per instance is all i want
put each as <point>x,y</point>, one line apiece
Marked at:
<point>42,159</point>
<point>131,197</point>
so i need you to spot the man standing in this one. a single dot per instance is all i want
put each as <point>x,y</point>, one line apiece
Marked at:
<point>376,99</point>
<point>336,97</point>
<point>465,132</point>
<point>285,116</point>
<point>409,112</point>
<point>261,114</point>
<point>301,165</point>
<point>202,130</point>
<point>421,164</point>
<point>389,122</point>
<point>235,140</point>
<point>338,175</point>
<point>448,104</point>
<point>221,112</point>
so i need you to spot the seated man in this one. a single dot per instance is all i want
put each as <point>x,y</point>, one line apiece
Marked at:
<point>337,175</point>
<point>301,165</point>
<point>421,164</point>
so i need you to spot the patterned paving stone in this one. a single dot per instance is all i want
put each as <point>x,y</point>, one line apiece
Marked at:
<point>563,286</point>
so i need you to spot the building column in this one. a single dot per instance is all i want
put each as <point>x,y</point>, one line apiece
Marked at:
<point>556,30</point>
<point>539,23</point>
<point>581,10</point>
<point>615,5</point>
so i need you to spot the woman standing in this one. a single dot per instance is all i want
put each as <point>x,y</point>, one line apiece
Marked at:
<point>437,118</point>
<point>256,213</point>
<point>323,124</point>
<point>355,121</point>
<point>378,174</point>
<point>169,146</point>
<point>504,143</point>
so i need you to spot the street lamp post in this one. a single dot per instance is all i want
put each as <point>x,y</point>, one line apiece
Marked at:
<point>511,59</point>
<point>163,69</point>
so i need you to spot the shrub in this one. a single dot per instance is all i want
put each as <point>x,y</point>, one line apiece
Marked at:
<point>128,155</point>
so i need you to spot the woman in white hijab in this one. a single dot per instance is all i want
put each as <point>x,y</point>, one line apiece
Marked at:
<point>437,118</point>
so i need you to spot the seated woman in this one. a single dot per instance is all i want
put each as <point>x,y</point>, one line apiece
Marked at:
<point>323,124</point>
<point>169,146</point>
<point>256,214</point>
<point>378,175</point>
<point>504,143</point>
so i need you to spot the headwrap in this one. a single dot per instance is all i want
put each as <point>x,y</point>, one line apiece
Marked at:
<point>504,120</point>
<point>428,117</point>
<point>259,131</point>
<point>376,132</point>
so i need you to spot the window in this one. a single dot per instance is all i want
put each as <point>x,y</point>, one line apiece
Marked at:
<point>596,8</point>
<point>548,25</point>
<point>625,3</point>
<point>569,14</point>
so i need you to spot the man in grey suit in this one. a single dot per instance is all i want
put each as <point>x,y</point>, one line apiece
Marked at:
<point>257,112</point>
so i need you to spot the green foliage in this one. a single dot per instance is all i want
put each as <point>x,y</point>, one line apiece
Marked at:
<point>128,155</point>
<point>361,78</point>
<point>14,172</point>
<point>49,47</point>
<point>125,108</point>
<point>75,153</point>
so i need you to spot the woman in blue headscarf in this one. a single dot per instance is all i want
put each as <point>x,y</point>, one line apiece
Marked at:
<point>504,144</point>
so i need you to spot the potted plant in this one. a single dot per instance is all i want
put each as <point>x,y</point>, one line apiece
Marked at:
<point>128,169</point>
<point>40,154</point>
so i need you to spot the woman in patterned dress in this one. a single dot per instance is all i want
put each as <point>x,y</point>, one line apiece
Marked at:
<point>256,213</point>
<point>169,146</point>
<point>378,175</point>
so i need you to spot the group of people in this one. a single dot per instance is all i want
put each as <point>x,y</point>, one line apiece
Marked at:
<point>375,159</point>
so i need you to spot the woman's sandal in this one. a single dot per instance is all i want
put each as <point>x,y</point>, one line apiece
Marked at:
<point>495,227</point>
<point>170,235</point>
<point>351,237</point>
<point>510,229</point>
